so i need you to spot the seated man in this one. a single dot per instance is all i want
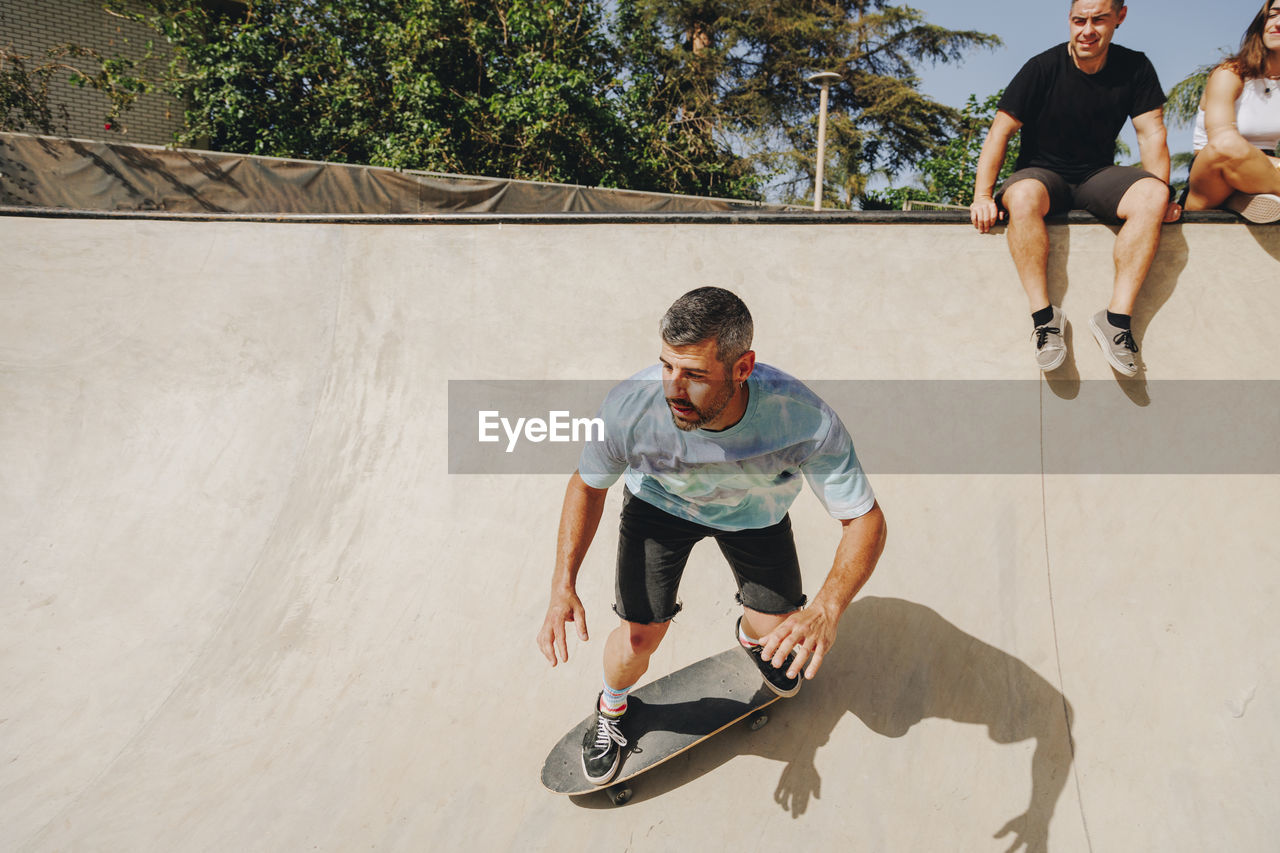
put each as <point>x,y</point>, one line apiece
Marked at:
<point>1070,103</point>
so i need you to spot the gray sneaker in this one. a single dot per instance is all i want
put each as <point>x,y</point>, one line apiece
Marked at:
<point>1260,209</point>
<point>1117,344</point>
<point>1051,349</point>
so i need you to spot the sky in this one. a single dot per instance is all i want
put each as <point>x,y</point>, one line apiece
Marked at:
<point>1178,36</point>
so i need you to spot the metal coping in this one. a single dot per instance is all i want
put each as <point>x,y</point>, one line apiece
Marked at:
<point>826,217</point>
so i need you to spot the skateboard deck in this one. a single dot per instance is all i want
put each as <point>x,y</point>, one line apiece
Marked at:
<point>665,718</point>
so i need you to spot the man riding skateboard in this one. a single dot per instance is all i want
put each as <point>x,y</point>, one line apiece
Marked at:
<point>1070,103</point>
<point>711,444</point>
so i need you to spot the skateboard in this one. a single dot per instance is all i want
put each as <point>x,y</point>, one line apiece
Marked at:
<point>665,718</point>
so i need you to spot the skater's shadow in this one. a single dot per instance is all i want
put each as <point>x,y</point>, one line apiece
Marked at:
<point>895,664</point>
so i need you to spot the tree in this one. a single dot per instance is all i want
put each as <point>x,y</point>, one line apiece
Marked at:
<point>1181,107</point>
<point>948,177</point>
<point>515,88</point>
<point>702,96</point>
<point>667,93</point>
<point>511,87</point>
<point>735,69</point>
<point>1184,98</point>
<point>24,86</point>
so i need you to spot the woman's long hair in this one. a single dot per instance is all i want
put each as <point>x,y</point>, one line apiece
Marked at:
<point>1251,61</point>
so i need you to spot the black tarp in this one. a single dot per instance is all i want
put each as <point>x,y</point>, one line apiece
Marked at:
<point>81,174</point>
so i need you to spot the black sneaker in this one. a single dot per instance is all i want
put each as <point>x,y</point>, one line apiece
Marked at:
<point>602,747</point>
<point>774,676</point>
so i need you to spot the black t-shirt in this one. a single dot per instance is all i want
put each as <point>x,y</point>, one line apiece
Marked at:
<point>1070,120</point>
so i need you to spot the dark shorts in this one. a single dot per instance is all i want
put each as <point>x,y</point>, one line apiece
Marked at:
<point>1099,193</point>
<point>653,547</point>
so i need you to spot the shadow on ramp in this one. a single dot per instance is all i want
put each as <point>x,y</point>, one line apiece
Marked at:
<point>895,664</point>
<point>1157,289</point>
<point>1268,237</point>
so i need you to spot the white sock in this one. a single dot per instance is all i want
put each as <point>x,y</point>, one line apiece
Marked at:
<point>614,702</point>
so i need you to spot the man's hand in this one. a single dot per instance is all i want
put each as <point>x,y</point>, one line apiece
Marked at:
<point>809,633</point>
<point>579,518</point>
<point>1173,212</point>
<point>552,638</point>
<point>984,213</point>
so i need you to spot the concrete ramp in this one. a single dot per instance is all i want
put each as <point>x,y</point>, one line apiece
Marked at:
<point>246,605</point>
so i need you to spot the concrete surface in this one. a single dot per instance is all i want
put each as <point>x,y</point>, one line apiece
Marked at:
<point>246,607</point>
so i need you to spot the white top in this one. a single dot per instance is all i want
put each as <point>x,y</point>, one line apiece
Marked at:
<point>741,478</point>
<point>1257,115</point>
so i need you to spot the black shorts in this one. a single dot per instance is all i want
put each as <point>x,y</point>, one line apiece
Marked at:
<point>654,546</point>
<point>1099,193</point>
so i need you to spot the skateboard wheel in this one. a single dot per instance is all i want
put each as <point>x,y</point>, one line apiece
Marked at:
<point>758,721</point>
<point>620,795</point>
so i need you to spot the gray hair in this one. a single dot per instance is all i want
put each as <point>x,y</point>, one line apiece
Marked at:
<point>709,313</point>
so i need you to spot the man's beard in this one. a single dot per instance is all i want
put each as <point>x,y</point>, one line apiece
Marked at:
<point>701,416</point>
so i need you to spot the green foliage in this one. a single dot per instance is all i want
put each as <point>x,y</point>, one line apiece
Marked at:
<point>514,87</point>
<point>948,176</point>
<point>736,68</point>
<point>1184,97</point>
<point>667,96</point>
<point>1180,109</point>
<point>695,96</point>
<point>894,198</point>
<point>24,86</point>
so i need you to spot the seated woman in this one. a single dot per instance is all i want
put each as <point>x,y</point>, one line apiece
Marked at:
<point>1238,127</point>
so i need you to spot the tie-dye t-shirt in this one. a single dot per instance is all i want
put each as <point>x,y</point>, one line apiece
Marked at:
<point>742,478</point>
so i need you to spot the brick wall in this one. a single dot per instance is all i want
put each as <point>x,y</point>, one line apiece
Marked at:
<point>31,27</point>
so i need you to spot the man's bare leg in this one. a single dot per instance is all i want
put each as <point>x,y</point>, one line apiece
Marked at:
<point>626,658</point>
<point>756,624</point>
<point>1142,210</point>
<point>627,652</point>
<point>1027,204</point>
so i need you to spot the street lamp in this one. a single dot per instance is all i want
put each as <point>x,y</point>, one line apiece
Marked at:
<point>826,78</point>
